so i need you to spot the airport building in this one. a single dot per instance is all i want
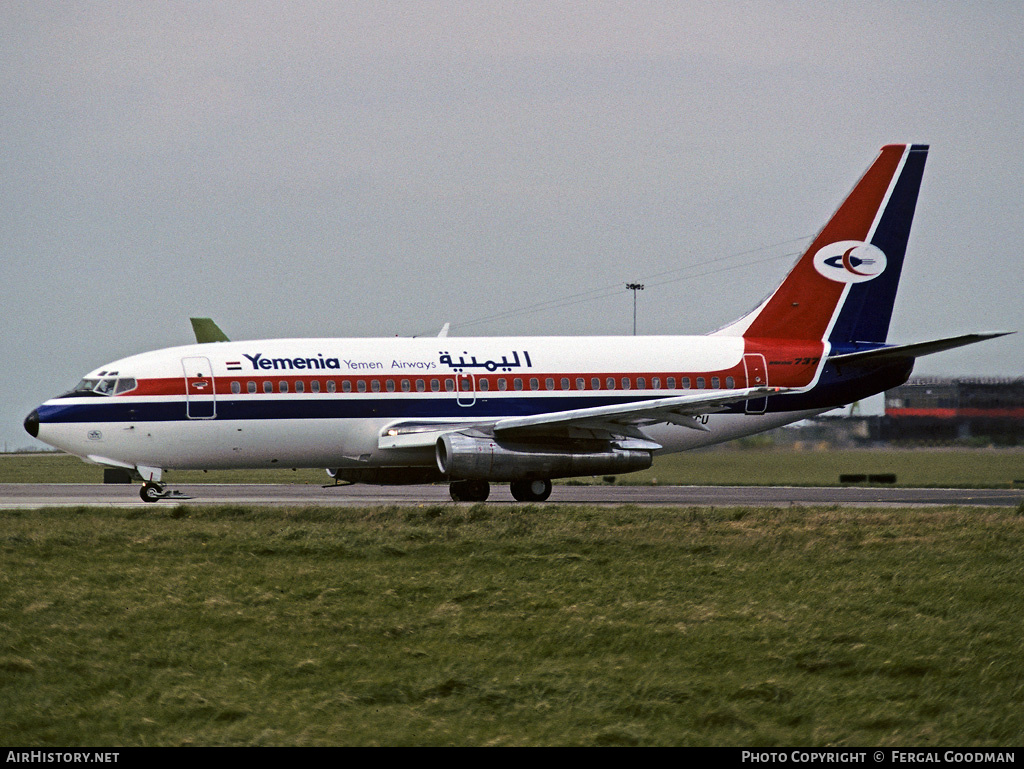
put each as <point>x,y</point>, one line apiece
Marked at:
<point>941,410</point>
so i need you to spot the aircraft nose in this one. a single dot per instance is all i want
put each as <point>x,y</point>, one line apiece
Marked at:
<point>32,424</point>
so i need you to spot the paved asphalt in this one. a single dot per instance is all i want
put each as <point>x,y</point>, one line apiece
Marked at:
<point>15,495</point>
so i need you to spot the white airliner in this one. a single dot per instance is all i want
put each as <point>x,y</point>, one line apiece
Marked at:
<point>522,410</point>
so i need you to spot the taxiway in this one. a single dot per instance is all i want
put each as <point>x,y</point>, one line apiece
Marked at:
<point>32,495</point>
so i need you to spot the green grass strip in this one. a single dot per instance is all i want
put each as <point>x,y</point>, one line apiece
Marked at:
<point>511,625</point>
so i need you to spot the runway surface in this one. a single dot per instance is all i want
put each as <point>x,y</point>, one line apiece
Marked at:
<point>29,495</point>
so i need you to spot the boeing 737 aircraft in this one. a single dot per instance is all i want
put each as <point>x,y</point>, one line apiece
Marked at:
<point>471,411</point>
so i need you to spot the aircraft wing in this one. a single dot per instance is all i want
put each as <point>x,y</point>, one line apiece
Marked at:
<point>619,419</point>
<point>635,413</point>
<point>903,351</point>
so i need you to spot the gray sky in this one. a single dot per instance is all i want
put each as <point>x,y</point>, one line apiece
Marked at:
<point>373,169</point>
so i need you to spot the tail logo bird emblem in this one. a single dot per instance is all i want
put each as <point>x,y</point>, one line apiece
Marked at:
<point>850,261</point>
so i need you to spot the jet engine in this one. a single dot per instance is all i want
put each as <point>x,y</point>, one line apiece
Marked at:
<point>485,458</point>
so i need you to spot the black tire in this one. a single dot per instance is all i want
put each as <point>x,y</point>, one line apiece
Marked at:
<point>150,492</point>
<point>537,490</point>
<point>469,491</point>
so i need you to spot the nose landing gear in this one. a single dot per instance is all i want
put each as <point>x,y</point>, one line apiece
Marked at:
<point>152,491</point>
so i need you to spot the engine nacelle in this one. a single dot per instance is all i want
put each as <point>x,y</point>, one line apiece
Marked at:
<point>468,457</point>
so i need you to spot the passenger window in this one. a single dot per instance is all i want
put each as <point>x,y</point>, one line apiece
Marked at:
<point>581,383</point>
<point>375,385</point>
<point>251,387</point>
<point>346,386</point>
<point>282,386</point>
<point>534,383</point>
<point>700,383</point>
<point>595,383</point>
<point>332,387</point>
<point>641,383</point>
<point>716,383</point>
<point>449,385</point>
<point>609,383</point>
<point>314,386</point>
<point>655,383</point>
<point>517,383</point>
<point>406,386</point>
<point>361,385</point>
<point>300,386</point>
<point>686,383</point>
<point>389,385</point>
<point>549,383</point>
<point>435,386</point>
<point>502,383</point>
<point>670,382</point>
<point>730,382</point>
<point>236,387</point>
<point>625,383</point>
<point>421,386</point>
<point>268,386</point>
<point>483,384</point>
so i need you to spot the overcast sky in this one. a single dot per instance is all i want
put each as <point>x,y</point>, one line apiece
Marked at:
<point>373,169</point>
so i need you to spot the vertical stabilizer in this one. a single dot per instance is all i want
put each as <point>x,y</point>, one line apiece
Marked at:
<point>843,288</point>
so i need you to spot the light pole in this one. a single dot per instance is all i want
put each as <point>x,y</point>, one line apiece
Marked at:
<point>634,287</point>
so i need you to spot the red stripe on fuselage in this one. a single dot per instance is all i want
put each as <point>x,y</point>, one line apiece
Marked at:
<point>790,364</point>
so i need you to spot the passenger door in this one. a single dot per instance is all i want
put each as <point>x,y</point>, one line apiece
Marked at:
<point>757,376</point>
<point>200,395</point>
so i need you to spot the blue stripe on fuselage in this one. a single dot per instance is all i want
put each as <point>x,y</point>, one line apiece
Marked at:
<point>125,410</point>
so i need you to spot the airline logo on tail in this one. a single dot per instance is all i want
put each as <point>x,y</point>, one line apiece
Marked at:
<point>850,261</point>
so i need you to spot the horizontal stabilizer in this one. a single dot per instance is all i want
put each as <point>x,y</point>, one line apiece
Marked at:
<point>904,351</point>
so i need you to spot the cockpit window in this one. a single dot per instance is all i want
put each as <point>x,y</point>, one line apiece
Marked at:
<point>102,387</point>
<point>106,386</point>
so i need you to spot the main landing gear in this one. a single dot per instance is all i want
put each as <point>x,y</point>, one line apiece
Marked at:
<point>469,491</point>
<point>152,491</point>
<point>523,490</point>
<point>536,490</point>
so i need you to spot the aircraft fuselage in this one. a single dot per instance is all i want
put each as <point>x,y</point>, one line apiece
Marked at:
<point>327,402</point>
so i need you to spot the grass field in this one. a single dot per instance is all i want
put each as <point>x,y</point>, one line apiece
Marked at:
<point>964,468</point>
<point>511,625</point>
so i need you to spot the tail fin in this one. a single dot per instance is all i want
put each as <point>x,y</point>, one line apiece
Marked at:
<point>843,288</point>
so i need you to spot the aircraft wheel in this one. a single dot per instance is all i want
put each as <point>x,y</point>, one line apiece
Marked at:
<point>469,491</point>
<point>531,491</point>
<point>151,492</point>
